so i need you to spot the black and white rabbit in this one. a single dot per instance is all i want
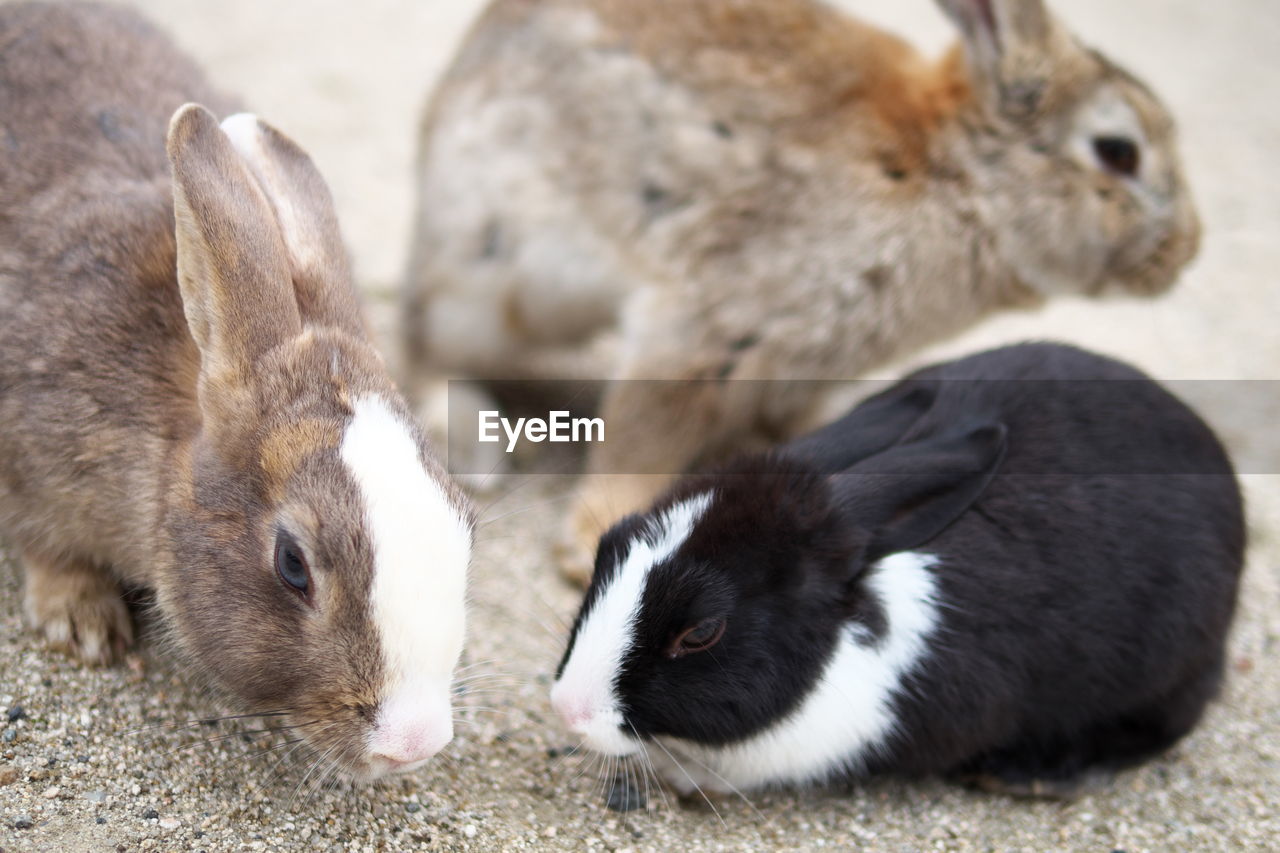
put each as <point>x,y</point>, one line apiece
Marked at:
<point>1014,568</point>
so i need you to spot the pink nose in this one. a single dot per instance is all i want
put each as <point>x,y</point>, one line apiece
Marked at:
<point>401,745</point>
<point>413,724</point>
<point>575,711</point>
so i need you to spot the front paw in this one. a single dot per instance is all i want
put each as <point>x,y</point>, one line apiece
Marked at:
<point>576,550</point>
<point>601,500</point>
<point>1065,789</point>
<point>80,613</point>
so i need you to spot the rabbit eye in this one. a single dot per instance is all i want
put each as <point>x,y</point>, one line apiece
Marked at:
<point>291,565</point>
<point>699,638</point>
<point>1118,154</point>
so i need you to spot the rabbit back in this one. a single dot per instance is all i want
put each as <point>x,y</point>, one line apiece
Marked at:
<point>97,368</point>
<point>1084,602</point>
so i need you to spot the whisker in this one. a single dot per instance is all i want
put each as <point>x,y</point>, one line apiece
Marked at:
<point>203,721</point>
<point>650,770</point>
<point>521,510</point>
<point>728,784</point>
<point>695,785</point>
<point>232,735</point>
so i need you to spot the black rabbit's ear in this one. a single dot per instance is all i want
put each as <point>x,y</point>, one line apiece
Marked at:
<point>872,427</point>
<point>912,492</point>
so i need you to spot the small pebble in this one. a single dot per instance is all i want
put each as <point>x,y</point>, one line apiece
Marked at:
<point>17,712</point>
<point>23,822</point>
<point>469,830</point>
<point>170,823</point>
<point>8,775</point>
<point>412,807</point>
<point>96,796</point>
<point>52,792</point>
<point>150,814</point>
<point>100,821</point>
<point>9,735</point>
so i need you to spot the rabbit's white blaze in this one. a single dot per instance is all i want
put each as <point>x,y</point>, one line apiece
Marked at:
<point>585,695</point>
<point>422,546</point>
<point>849,713</point>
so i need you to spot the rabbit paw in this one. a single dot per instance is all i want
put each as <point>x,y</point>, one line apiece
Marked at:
<point>575,552</point>
<point>1065,789</point>
<point>78,608</point>
<point>601,501</point>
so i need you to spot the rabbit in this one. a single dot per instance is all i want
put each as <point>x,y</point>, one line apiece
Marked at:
<point>763,189</point>
<point>1017,569</point>
<point>191,403</point>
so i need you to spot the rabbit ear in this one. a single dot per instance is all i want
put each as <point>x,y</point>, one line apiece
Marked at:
<point>1010,47</point>
<point>304,209</point>
<point>873,426</point>
<point>909,494</point>
<point>232,268</point>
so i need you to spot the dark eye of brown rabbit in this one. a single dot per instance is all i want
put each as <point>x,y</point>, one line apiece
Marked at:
<point>291,565</point>
<point>699,638</point>
<point>1118,154</point>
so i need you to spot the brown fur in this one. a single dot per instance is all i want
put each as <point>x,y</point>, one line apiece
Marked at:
<point>655,182</point>
<point>170,404</point>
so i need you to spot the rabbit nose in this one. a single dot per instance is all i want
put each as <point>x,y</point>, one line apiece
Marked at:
<point>574,710</point>
<point>403,747</point>
<point>408,731</point>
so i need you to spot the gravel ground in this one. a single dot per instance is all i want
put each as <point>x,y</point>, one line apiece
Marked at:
<point>118,758</point>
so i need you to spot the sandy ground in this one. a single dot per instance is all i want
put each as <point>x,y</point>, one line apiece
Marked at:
<point>93,760</point>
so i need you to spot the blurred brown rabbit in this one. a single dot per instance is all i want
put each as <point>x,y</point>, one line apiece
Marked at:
<point>189,402</point>
<point>764,189</point>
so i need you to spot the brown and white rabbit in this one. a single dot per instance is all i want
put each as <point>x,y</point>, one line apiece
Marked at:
<point>205,415</point>
<point>765,189</point>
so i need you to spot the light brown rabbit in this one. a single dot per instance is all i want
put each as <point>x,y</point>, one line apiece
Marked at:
<point>765,189</point>
<point>204,415</point>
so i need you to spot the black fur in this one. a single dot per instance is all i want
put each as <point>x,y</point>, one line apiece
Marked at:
<point>1086,588</point>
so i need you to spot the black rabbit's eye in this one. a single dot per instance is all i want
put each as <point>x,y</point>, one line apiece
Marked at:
<point>699,638</point>
<point>290,564</point>
<point>1118,154</point>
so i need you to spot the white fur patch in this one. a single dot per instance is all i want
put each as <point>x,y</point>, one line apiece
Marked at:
<point>849,713</point>
<point>422,547</point>
<point>300,239</point>
<point>585,693</point>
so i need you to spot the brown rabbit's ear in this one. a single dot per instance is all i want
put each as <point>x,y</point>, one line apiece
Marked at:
<point>304,209</point>
<point>232,267</point>
<point>1011,46</point>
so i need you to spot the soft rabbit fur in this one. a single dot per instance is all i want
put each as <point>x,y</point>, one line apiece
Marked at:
<point>203,414</point>
<point>765,189</point>
<point>1016,568</point>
